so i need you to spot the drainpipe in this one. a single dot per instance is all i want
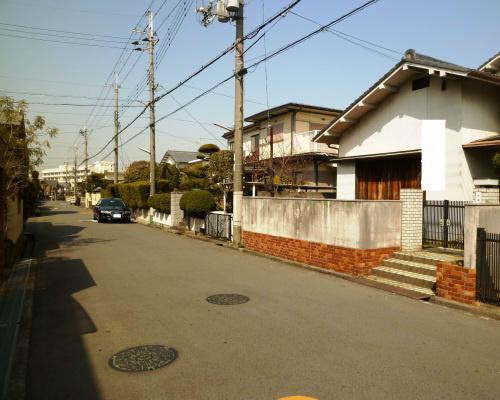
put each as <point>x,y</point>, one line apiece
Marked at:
<point>316,173</point>
<point>293,124</point>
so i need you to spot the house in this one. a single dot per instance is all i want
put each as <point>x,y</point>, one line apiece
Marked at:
<point>426,124</point>
<point>278,142</point>
<point>179,158</point>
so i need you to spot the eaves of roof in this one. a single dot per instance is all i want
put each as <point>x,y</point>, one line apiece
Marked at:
<point>411,64</point>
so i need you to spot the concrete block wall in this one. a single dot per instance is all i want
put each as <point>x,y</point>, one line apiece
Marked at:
<point>176,214</point>
<point>486,195</point>
<point>411,219</point>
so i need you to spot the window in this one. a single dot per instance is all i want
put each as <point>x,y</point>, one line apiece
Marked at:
<point>255,141</point>
<point>420,83</point>
<point>277,133</point>
<point>231,144</point>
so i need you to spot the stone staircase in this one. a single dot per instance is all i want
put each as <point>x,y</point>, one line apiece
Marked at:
<point>412,274</point>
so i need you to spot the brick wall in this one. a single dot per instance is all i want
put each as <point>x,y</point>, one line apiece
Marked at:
<point>341,259</point>
<point>411,219</point>
<point>456,283</point>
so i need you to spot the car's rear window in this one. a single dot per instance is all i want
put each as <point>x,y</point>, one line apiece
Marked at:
<point>112,203</point>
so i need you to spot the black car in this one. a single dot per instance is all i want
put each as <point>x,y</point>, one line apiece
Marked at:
<point>111,209</point>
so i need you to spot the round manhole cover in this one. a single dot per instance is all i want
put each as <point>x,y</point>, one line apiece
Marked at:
<point>227,299</point>
<point>143,358</point>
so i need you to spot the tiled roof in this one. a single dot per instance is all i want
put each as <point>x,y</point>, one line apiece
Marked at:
<point>180,156</point>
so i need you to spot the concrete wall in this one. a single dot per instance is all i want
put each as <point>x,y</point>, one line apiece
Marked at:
<point>15,221</point>
<point>478,216</point>
<point>354,224</point>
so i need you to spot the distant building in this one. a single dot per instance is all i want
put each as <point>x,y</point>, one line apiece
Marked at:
<point>179,158</point>
<point>64,174</point>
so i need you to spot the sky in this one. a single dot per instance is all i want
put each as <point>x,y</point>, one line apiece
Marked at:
<point>326,70</point>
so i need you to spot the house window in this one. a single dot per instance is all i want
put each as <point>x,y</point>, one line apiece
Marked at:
<point>231,144</point>
<point>255,141</point>
<point>314,126</point>
<point>277,133</point>
<point>420,83</point>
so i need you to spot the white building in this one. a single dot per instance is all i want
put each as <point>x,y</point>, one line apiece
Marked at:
<point>64,174</point>
<point>426,124</point>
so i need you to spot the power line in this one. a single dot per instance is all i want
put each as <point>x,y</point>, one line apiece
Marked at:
<point>60,41</point>
<point>91,39</point>
<point>346,36</point>
<point>269,56</point>
<point>61,31</point>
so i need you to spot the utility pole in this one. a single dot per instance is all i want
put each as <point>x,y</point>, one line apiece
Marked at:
<point>76,173</point>
<point>116,129</point>
<point>84,133</point>
<point>238,131</point>
<point>226,11</point>
<point>152,139</point>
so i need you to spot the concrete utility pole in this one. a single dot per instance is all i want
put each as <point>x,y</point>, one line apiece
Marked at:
<point>238,131</point>
<point>226,11</point>
<point>84,133</point>
<point>76,173</point>
<point>116,129</point>
<point>152,139</point>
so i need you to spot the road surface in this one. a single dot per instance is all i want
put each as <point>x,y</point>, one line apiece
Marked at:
<point>102,288</point>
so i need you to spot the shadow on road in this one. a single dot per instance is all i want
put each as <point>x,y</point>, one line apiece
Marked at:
<point>59,366</point>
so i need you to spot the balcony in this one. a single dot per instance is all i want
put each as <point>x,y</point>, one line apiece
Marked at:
<point>303,144</point>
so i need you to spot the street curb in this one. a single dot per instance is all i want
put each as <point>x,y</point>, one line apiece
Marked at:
<point>480,310</point>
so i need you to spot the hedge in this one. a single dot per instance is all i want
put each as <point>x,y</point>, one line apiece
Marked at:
<point>197,202</point>
<point>135,194</point>
<point>160,202</point>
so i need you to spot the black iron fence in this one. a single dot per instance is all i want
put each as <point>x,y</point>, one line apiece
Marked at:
<point>488,266</point>
<point>219,225</point>
<point>443,223</point>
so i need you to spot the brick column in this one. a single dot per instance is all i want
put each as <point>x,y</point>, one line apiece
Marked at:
<point>176,214</point>
<point>486,195</point>
<point>411,219</point>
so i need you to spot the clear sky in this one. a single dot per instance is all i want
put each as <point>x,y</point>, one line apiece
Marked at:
<point>326,70</point>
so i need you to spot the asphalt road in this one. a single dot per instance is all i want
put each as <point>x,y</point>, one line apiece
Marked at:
<point>102,288</point>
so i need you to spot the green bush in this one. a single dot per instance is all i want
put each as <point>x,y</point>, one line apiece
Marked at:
<point>135,194</point>
<point>160,202</point>
<point>496,163</point>
<point>197,202</point>
<point>191,182</point>
<point>208,148</point>
<point>110,191</point>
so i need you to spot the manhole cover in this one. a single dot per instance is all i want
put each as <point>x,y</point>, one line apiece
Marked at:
<point>143,358</point>
<point>227,299</point>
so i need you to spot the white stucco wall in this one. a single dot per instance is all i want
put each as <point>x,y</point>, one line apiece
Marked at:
<point>470,109</point>
<point>346,180</point>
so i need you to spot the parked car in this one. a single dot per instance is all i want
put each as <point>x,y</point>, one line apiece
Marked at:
<point>111,209</point>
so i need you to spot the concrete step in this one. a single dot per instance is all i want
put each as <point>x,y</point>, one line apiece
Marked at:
<point>411,266</point>
<point>428,257</point>
<point>403,276</point>
<point>405,289</point>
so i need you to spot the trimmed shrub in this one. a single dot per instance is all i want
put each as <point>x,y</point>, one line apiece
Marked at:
<point>197,202</point>
<point>191,182</point>
<point>110,191</point>
<point>208,148</point>
<point>496,163</point>
<point>135,194</point>
<point>164,186</point>
<point>160,202</point>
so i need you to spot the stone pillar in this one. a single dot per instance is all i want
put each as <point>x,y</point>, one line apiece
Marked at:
<point>176,214</point>
<point>411,219</point>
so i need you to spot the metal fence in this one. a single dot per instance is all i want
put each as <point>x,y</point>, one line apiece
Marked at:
<point>219,225</point>
<point>488,266</point>
<point>443,223</point>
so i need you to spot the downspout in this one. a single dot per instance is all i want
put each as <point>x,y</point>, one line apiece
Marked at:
<point>316,173</point>
<point>293,124</point>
